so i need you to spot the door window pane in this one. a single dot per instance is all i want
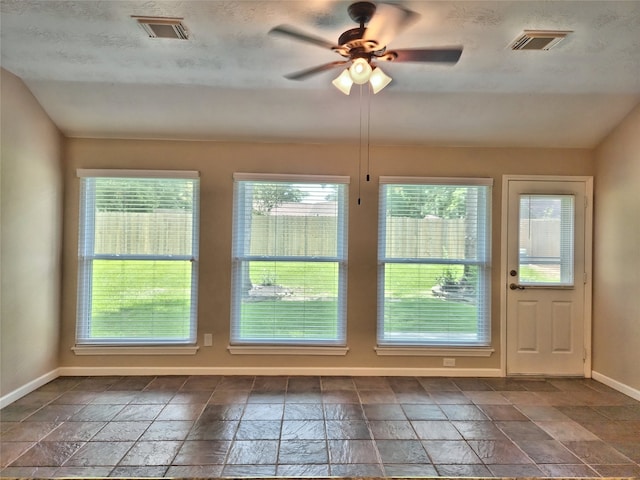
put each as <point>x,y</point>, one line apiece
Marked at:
<point>546,240</point>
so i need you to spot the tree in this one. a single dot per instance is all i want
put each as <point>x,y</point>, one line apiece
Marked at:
<point>419,201</point>
<point>140,195</point>
<point>267,196</point>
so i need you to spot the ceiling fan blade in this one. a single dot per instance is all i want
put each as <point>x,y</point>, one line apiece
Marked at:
<point>388,21</point>
<point>435,55</point>
<point>304,74</point>
<point>291,32</point>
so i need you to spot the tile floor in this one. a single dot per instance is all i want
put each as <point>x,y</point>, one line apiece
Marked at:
<point>206,426</point>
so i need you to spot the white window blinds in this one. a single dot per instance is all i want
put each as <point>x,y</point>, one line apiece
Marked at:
<point>434,262</point>
<point>289,260</point>
<point>138,254</point>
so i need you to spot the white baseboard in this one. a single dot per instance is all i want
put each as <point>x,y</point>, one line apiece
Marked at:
<point>616,385</point>
<point>337,371</point>
<point>28,388</point>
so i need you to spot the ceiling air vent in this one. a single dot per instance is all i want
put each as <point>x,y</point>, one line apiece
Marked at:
<point>163,27</point>
<point>539,39</point>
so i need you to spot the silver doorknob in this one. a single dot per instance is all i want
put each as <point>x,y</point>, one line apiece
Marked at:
<point>514,286</point>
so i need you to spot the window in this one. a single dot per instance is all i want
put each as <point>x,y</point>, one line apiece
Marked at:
<point>434,266</point>
<point>546,240</point>
<point>289,260</point>
<point>138,257</point>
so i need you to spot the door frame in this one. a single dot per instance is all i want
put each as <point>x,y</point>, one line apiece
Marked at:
<point>588,261</point>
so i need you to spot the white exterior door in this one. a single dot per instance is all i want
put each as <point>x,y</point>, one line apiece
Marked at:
<point>547,279</point>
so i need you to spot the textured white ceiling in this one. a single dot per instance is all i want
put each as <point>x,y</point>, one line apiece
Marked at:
<point>96,73</point>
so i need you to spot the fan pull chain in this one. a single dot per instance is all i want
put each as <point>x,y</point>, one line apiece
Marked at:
<point>360,150</point>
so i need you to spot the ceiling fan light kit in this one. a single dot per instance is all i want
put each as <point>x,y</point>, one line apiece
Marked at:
<point>364,46</point>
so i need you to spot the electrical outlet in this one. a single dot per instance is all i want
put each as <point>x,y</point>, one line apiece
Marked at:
<point>208,340</point>
<point>448,362</point>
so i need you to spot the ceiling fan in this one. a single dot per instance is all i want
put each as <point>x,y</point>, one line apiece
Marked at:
<point>364,46</point>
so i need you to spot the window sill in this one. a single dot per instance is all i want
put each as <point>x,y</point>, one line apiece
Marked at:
<point>279,350</point>
<point>435,351</point>
<point>138,350</point>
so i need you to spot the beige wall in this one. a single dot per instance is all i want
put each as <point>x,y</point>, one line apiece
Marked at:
<point>616,332</point>
<point>31,221</point>
<point>217,162</point>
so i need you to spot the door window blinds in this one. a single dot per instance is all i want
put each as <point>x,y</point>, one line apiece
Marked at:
<point>289,260</point>
<point>138,257</point>
<point>434,262</point>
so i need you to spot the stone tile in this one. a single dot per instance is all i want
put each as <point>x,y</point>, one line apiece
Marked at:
<point>168,383</point>
<point>10,451</point>
<point>181,411</point>
<point>392,429</point>
<point>266,397</point>
<point>620,412</point>
<point>201,383</point>
<point>229,397</point>
<point>275,384</point>
<point>548,451</point>
<point>337,383</point>
<point>472,470</point>
<point>169,430</point>
<point>487,398</point>
<point>303,411</point>
<point>221,412</point>
<point>303,385</point>
<point>29,431</point>
<point>373,470</point>
<point>402,451</point>
<point>615,431</point>
<point>133,413</point>
<point>450,452</point>
<point>347,429</point>
<point>499,452</point>
<point>239,382</point>
<point>351,451</point>
<point>303,470</point>
<point>155,397</point>
<point>423,412</point>
<point>515,471</point>
<point>422,398</point>
<point>47,454</point>
<point>240,471</point>
<point>263,411</point>
<point>543,413</point>
<point>436,384</point>
<point>303,430</point>
<point>303,397</point>
<point>479,430</point>
<point>472,384</point>
<point>192,397</point>
<point>75,398</point>
<point>597,453</point>
<point>632,471</point>
<point>194,471</point>
<point>566,431</point>
<point>253,452</point>
<point>630,450</point>
<point>75,431</point>
<point>522,430</point>
<point>54,413</point>
<point>202,452</point>
<point>405,385</point>
<point>575,470</point>
<point>449,398</point>
<point>435,430</point>
<point>136,384</point>
<point>113,397</point>
<point>372,383</point>
<point>582,413</point>
<point>83,472</point>
<point>121,431</point>
<point>259,430</point>
<point>377,396</point>
<point>384,412</point>
<point>503,413</point>
<point>303,452</point>
<point>18,412</point>
<point>213,430</point>
<point>338,411</point>
<point>151,453</point>
<point>124,471</point>
<point>340,396</point>
<point>99,454</point>
<point>97,413</point>
<point>410,470</point>
<point>463,412</point>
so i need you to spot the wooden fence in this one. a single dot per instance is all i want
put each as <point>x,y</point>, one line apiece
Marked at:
<point>170,234</point>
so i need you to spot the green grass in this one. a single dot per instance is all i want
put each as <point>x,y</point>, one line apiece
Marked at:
<point>140,299</point>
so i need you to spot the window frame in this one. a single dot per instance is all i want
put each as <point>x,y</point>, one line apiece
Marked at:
<point>238,345</point>
<point>84,344</point>
<point>482,345</point>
